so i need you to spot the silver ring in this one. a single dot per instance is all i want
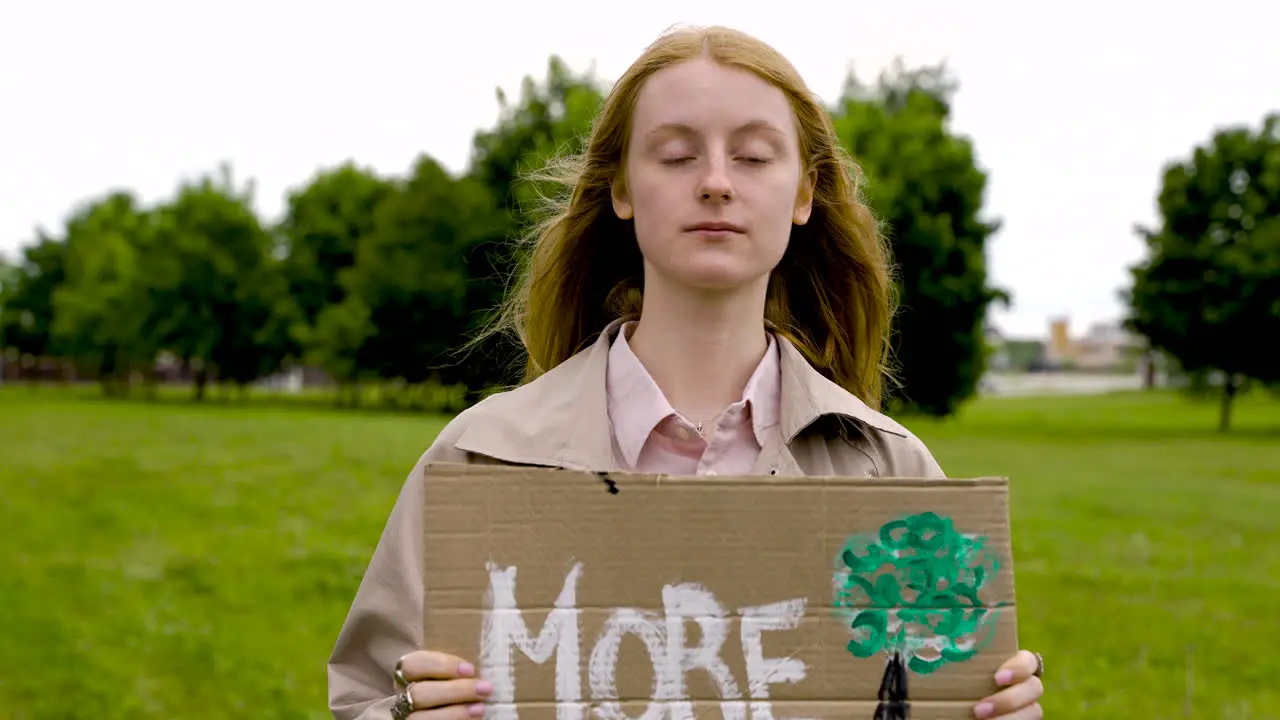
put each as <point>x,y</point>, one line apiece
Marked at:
<point>1039,665</point>
<point>401,681</point>
<point>403,705</point>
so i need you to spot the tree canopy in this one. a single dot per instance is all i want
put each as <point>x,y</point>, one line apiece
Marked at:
<point>380,279</point>
<point>1208,292</point>
<point>926,186</point>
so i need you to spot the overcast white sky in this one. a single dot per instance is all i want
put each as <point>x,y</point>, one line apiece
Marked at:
<point>1073,107</point>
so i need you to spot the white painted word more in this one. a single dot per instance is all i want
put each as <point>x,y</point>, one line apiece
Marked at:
<point>505,630</point>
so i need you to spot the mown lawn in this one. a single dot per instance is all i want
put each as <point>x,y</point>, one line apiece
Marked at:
<point>176,561</point>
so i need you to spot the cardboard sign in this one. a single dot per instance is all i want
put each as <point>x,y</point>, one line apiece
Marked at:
<point>585,596</point>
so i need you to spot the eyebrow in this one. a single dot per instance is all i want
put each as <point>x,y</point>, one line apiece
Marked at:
<point>686,129</point>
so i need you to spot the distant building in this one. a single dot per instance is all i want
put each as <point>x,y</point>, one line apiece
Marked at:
<point>1104,347</point>
<point>295,379</point>
<point>1007,354</point>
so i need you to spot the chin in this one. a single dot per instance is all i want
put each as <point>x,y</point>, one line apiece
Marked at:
<point>710,268</point>
<point>718,276</point>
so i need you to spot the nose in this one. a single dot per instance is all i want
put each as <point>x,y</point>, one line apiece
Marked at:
<point>715,185</point>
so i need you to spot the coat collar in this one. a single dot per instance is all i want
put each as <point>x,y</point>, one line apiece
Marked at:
<point>561,419</point>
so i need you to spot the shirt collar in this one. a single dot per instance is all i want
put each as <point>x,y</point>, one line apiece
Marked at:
<point>637,405</point>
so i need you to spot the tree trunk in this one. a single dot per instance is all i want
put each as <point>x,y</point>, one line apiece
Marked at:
<point>202,382</point>
<point>1230,384</point>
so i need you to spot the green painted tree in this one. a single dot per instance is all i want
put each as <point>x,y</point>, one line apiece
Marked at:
<point>914,588</point>
<point>1208,292</point>
<point>926,186</point>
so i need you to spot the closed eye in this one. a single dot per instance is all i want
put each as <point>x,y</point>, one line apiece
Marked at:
<point>755,160</point>
<point>677,161</point>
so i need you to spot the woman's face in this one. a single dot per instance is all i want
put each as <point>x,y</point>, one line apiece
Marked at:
<point>714,179</point>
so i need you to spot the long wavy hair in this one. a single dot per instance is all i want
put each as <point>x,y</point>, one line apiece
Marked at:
<point>831,294</point>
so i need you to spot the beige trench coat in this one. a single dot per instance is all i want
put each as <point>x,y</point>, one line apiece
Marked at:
<point>560,420</point>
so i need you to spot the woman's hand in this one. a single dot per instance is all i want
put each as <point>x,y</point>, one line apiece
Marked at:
<point>1020,699</point>
<point>437,686</point>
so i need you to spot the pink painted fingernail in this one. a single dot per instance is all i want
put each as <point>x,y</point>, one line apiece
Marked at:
<point>466,669</point>
<point>983,710</point>
<point>1004,677</point>
<point>476,710</point>
<point>484,687</point>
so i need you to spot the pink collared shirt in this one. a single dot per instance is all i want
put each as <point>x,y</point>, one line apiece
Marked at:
<point>651,437</point>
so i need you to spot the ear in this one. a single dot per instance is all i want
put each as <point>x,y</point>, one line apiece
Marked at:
<point>804,198</point>
<point>621,199</point>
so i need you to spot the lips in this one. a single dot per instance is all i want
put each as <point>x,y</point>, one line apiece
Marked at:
<point>716,227</point>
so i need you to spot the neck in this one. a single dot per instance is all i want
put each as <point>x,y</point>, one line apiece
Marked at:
<point>701,349</point>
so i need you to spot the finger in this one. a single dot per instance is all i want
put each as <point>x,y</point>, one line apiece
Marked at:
<point>1031,712</point>
<point>1013,699</point>
<point>429,665</point>
<point>454,712</point>
<point>441,693</point>
<point>1017,668</point>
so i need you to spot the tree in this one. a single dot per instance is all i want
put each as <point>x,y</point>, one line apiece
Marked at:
<point>926,186</point>
<point>334,342</point>
<point>408,287</point>
<point>103,311</point>
<point>913,590</point>
<point>26,297</point>
<point>221,303</point>
<point>1208,293</point>
<point>552,117</point>
<point>322,227</point>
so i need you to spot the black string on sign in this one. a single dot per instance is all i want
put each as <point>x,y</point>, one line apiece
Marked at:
<point>893,691</point>
<point>608,482</point>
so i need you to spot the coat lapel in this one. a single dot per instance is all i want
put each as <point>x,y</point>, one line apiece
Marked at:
<point>561,419</point>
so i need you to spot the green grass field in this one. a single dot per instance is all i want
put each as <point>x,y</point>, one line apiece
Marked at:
<point>176,561</point>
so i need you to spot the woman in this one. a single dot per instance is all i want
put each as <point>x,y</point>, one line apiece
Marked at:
<point>712,298</point>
